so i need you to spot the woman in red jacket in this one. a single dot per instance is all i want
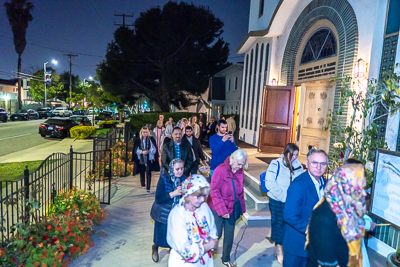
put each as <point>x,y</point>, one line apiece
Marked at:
<point>222,198</point>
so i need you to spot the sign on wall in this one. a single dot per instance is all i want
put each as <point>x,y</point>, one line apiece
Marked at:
<point>385,197</point>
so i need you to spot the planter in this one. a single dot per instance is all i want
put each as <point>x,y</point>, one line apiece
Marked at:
<point>391,260</point>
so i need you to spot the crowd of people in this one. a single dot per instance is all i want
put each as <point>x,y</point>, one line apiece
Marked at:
<point>315,221</point>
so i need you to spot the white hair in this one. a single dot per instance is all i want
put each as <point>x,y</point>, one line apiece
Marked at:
<point>238,155</point>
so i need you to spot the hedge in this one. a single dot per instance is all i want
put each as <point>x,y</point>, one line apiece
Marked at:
<point>82,132</point>
<point>140,120</point>
<point>107,124</point>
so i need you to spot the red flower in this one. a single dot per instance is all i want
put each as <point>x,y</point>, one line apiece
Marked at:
<point>45,237</point>
<point>49,227</point>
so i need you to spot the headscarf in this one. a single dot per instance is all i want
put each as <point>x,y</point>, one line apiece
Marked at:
<point>193,183</point>
<point>345,194</point>
<point>176,181</point>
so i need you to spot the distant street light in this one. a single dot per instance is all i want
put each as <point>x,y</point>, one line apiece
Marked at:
<point>45,80</point>
<point>90,78</point>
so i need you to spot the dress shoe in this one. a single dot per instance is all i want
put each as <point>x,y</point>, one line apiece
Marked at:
<point>154,253</point>
<point>228,264</point>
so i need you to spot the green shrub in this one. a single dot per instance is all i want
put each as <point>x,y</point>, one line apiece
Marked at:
<point>107,124</point>
<point>82,132</point>
<point>140,120</point>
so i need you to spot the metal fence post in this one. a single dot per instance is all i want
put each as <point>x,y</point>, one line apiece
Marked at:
<point>26,185</point>
<point>71,167</point>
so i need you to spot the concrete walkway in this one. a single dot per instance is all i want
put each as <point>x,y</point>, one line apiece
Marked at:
<point>130,234</point>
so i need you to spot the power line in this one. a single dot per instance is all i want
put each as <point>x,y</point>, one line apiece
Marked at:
<point>123,20</point>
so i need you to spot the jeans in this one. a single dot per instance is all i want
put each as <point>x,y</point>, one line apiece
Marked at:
<point>146,172</point>
<point>229,233</point>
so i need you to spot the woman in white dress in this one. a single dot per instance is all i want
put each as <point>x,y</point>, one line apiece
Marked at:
<point>192,233</point>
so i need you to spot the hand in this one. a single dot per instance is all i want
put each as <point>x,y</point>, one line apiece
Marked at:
<point>211,244</point>
<point>205,162</point>
<point>226,216</point>
<point>373,225</point>
<point>226,137</point>
<point>176,192</point>
<point>232,138</point>
<point>144,152</point>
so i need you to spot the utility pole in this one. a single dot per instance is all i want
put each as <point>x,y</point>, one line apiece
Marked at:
<point>123,20</point>
<point>70,76</point>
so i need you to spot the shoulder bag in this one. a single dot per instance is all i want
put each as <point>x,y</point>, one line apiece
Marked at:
<point>237,208</point>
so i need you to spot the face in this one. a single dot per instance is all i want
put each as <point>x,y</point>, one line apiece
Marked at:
<point>194,119</point>
<point>222,128</point>
<point>161,117</point>
<point>189,133</point>
<point>195,201</point>
<point>177,135</point>
<point>145,133</point>
<point>178,169</point>
<point>317,164</point>
<point>171,119</point>
<point>238,164</point>
<point>160,124</point>
<point>295,155</point>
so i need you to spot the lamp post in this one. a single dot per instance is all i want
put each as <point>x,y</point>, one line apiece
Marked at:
<point>45,80</point>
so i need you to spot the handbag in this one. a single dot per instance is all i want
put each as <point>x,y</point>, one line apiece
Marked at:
<point>264,174</point>
<point>237,208</point>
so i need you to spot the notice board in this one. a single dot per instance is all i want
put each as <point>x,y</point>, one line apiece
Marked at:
<point>385,193</point>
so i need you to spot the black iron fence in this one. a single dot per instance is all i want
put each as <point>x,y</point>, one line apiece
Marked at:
<point>89,170</point>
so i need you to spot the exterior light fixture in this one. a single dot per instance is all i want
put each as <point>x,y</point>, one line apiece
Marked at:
<point>273,82</point>
<point>360,69</point>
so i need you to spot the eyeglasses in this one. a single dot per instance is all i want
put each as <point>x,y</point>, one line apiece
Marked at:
<point>322,164</point>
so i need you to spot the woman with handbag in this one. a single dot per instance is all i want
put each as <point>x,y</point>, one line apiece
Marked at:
<point>192,233</point>
<point>281,172</point>
<point>168,194</point>
<point>226,199</point>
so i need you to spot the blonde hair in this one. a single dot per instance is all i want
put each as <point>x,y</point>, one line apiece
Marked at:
<point>238,155</point>
<point>204,191</point>
<point>144,128</point>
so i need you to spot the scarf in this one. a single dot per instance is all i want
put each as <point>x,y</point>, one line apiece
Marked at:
<point>346,196</point>
<point>176,181</point>
<point>146,146</point>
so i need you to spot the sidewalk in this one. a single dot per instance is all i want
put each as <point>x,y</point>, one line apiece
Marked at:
<point>130,229</point>
<point>42,151</point>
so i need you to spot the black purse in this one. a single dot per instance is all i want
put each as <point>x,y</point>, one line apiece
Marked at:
<point>237,208</point>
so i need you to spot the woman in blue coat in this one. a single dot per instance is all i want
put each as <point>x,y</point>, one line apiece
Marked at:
<point>168,194</point>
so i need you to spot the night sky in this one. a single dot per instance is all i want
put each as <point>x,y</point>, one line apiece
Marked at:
<point>85,27</point>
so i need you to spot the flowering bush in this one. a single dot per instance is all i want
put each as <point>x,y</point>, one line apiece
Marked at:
<point>60,237</point>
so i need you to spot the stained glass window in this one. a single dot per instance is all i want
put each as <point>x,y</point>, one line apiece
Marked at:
<point>322,44</point>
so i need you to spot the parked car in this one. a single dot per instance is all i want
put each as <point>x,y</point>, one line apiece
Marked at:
<point>127,113</point>
<point>81,120</point>
<point>3,115</point>
<point>62,112</point>
<point>45,112</point>
<point>56,127</point>
<point>78,112</point>
<point>24,115</point>
<point>104,116</point>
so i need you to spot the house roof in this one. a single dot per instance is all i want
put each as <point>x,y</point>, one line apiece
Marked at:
<point>9,82</point>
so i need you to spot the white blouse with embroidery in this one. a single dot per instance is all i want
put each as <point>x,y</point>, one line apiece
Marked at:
<point>187,230</point>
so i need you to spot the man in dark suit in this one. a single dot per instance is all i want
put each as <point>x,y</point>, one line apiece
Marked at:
<point>303,193</point>
<point>177,148</point>
<point>196,146</point>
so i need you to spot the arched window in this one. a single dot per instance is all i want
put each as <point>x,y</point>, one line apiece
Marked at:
<point>322,44</point>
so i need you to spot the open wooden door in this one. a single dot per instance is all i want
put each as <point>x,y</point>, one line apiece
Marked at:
<point>276,118</point>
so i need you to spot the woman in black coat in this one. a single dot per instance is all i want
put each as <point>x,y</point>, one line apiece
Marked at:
<point>145,155</point>
<point>168,195</point>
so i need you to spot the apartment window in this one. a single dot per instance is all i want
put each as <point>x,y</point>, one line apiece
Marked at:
<point>228,85</point>
<point>261,10</point>
<point>235,84</point>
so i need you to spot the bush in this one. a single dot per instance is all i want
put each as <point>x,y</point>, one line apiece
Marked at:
<point>60,237</point>
<point>82,132</point>
<point>107,124</point>
<point>140,120</point>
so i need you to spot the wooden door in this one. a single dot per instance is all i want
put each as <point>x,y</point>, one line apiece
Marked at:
<point>276,118</point>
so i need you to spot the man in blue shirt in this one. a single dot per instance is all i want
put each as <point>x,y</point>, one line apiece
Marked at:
<point>222,145</point>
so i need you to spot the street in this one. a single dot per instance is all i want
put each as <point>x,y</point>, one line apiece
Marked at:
<point>19,135</point>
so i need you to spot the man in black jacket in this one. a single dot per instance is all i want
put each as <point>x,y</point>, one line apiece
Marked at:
<point>177,148</point>
<point>196,146</point>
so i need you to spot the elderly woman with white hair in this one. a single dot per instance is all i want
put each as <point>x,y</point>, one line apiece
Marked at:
<point>192,233</point>
<point>226,199</point>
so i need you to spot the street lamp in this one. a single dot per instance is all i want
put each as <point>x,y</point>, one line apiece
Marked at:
<point>90,78</point>
<point>45,80</point>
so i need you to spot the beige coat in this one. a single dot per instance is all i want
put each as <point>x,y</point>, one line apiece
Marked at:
<point>231,124</point>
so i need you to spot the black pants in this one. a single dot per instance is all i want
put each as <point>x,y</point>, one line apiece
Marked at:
<point>229,233</point>
<point>146,171</point>
<point>195,167</point>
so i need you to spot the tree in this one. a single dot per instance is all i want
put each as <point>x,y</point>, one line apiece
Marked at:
<point>171,53</point>
<point>19,14</point>
<point>353,142</point>
<point>77,85</point>
<point>37,86</point>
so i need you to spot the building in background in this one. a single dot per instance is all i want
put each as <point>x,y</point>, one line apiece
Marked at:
<point>224,90</point>
<point>292,50</point>
<point>9,94</point>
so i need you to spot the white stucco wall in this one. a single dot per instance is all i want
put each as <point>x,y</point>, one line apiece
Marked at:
<point>261,23</point>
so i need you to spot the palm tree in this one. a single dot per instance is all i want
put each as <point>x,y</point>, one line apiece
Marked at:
<point>19,14</point>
